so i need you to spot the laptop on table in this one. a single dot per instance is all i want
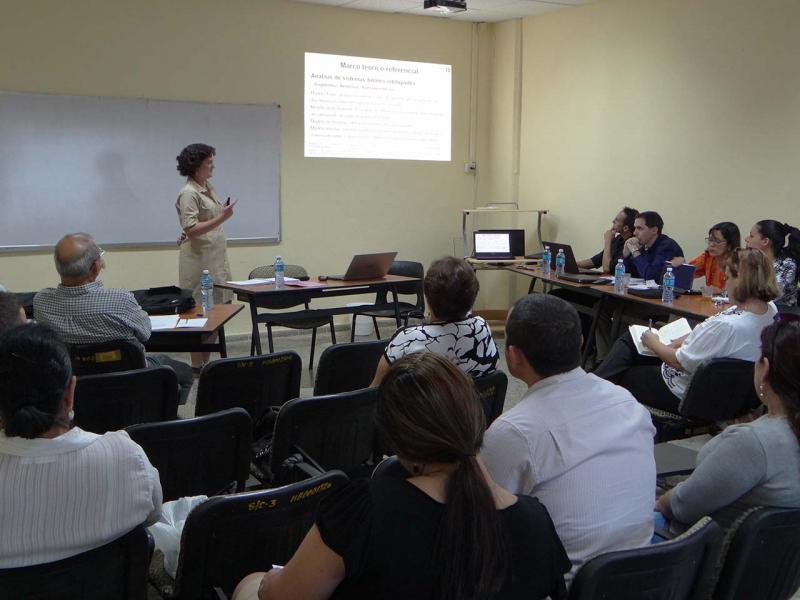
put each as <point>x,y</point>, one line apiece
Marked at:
<point>492,245</point>
<point>367,266</point>
<point>571,270</point>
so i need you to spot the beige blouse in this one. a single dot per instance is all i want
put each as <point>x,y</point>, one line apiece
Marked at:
<point>196,204</point>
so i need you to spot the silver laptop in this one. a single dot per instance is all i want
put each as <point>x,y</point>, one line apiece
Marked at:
<point>368,266</point>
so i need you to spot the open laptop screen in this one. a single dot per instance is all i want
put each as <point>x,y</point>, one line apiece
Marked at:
<point>492,243</point>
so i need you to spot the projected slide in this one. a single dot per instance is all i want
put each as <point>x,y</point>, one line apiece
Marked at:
<point>358,107</point>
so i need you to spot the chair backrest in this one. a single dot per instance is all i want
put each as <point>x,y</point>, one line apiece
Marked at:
<point>721,389</point>
<point>406,268</point>
<point>763,559</point>
<point>348,367</point>
<point>204,455</point>
<point>106,357</point>
<point>253,383</point>
<point>675,570</point>
<point>116,570</point>
<point>295,299</point>
<point>336,431</point>
<point>113,401</point>
<point>228,537</point>
<point>390,467</point>
<point>492,393</point>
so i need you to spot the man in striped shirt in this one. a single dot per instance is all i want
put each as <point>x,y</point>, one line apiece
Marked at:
<point>82,311</point>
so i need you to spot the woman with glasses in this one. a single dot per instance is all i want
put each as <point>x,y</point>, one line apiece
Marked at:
<point>723,238</point>
<point>781,243</point>
<point>662,381</point>
<point>755,463</point>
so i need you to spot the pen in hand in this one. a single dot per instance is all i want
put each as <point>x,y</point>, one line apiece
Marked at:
<point>650,325</point>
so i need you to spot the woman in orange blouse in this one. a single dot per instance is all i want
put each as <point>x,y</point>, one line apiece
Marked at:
<point>723,238</point>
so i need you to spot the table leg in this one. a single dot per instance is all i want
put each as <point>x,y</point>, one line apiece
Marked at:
<point>532,285</point>
<point>592,328</point>
<point>616,321</point>
<point>223,349</point>
<point>256,338</point>
<point>396,306</point>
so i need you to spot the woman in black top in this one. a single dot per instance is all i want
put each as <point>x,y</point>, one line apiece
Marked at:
<point>446,532</point>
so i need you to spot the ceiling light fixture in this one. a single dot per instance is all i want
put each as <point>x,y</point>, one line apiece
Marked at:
<point>446,6</point>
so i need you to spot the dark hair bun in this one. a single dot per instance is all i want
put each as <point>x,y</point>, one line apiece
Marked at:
<point>29,422</point>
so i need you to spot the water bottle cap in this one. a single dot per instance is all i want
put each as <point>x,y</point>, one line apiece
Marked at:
<point>205,271</point>
<point>278,258</point>
<point>669,269</point>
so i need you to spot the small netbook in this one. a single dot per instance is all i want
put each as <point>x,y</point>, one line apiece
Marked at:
<point>367,266</point>
<point>571,270</point>
<point>492,245</point>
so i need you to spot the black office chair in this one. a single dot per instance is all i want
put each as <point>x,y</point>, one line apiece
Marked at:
<point>763,559</point>
<point>113,401</point>
<point>407,310</point>
<point>115,570</point>
<point>720,390</point>
<point>314,435</point>
<point>256,384</point>
<point>492,393</point>
<point>271,319</point>
<point>106,357</point>
<point>348,367</point>
<point>228,537</point>
<point>206,455</point>
<point>679,569</point>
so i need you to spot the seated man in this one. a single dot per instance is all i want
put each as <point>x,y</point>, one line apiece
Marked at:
<point>11,312</point>
<point>613,242</point>
<point>82,311</point>
<point>582,445</point>
<point>646,252</point>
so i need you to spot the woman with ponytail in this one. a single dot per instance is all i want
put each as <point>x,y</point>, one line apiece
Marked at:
<point>781,243</point>
<point>447,532</point>
<point>64,491</point>
<point>756,463</point>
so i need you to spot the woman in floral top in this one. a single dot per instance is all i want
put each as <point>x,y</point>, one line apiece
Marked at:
<point>781,243</point>
<point>723,238</point>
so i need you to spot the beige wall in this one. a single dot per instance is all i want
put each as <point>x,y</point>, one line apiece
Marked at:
<point>248,51</point>
<point>688,107</point>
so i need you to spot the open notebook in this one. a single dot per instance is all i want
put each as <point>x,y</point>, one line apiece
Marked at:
<point>668,333</point>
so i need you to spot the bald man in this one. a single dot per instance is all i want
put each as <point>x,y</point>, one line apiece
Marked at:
<point>82,311</point>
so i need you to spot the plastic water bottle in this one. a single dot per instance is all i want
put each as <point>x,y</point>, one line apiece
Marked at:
<point>547,256</point>
<point>561,260</point>
<point>279,282</point>
<point>619,277</point>
<point>668,287</point>
<point>206,291</point>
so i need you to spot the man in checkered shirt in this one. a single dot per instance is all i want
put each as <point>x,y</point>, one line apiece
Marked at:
<point>82,311</point>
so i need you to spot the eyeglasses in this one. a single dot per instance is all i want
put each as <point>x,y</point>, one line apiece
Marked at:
<point>716,242</point>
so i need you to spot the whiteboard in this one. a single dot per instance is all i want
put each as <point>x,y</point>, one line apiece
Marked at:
<point>107,166</point>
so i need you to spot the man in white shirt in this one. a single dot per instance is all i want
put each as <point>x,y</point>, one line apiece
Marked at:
<point>582,445</point>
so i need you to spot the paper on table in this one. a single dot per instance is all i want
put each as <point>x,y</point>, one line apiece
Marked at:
<point>191,323</point>
<point>668,333</point>
<point>266,281</point>
<point>163,322</point>
<point>640,284</point>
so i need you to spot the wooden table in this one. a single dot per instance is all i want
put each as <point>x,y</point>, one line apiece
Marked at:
<point>255,295</point>
<point>195,339</point>
<point>694,307</point>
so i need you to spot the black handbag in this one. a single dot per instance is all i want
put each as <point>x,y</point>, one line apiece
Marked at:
<point>167,300</point>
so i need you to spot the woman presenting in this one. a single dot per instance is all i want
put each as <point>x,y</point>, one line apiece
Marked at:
<point>201,215</point>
